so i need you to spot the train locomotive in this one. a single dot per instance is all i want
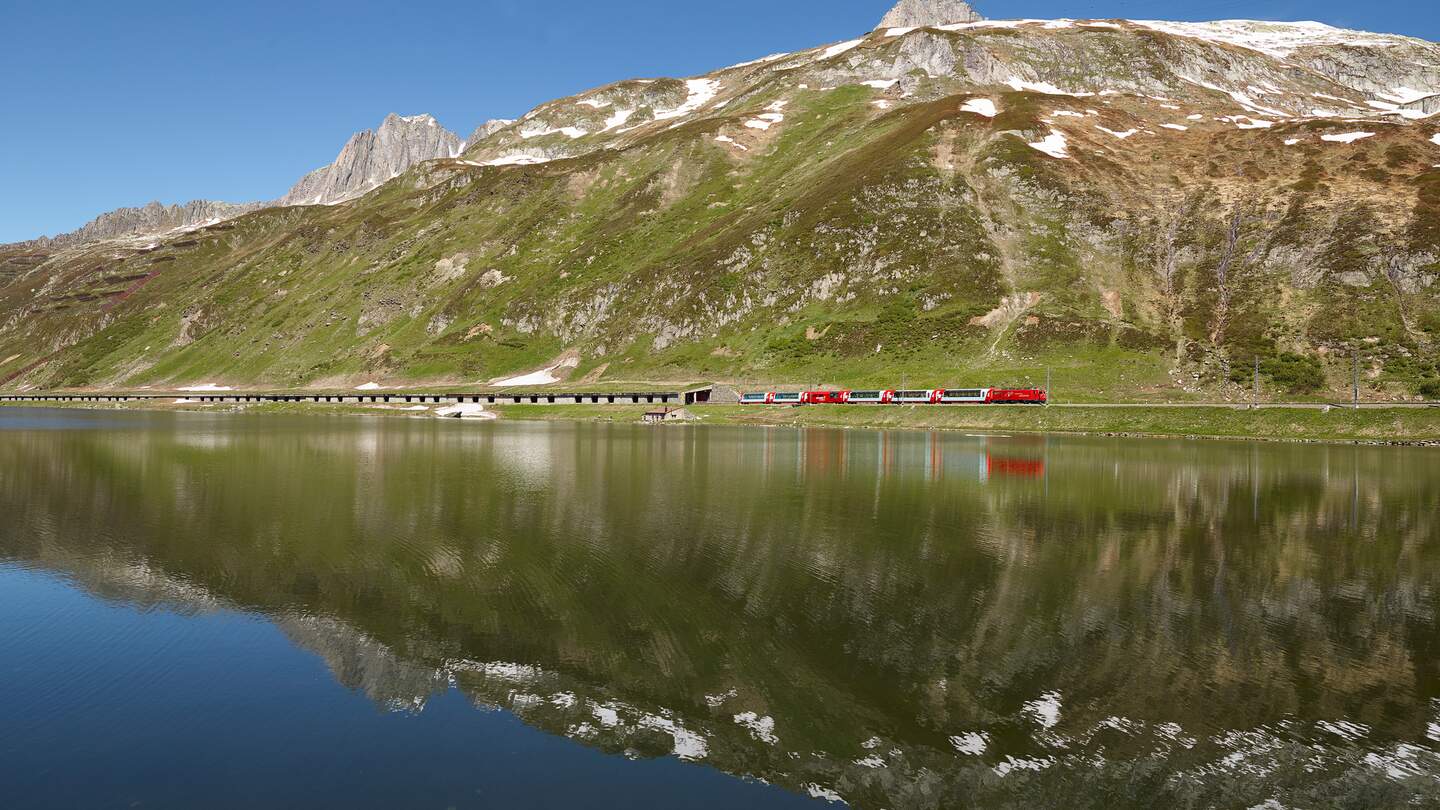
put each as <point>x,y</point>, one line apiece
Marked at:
<point>929,396</point>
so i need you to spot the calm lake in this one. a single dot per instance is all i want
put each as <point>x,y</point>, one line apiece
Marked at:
<point>223,611</point>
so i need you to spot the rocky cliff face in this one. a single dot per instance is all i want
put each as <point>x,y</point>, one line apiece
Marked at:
<point>911,13</point>
<point>373,157</point>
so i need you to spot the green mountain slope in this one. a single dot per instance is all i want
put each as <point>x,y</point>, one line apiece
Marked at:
<point>808,227</point>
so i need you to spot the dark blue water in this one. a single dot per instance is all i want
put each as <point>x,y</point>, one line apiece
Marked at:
<point>105,705</point>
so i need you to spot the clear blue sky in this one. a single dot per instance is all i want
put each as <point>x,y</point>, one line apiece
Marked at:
<point>118,103</point>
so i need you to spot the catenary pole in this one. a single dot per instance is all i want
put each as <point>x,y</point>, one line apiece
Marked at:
<point>1356,389</point>
<point>1255,389</point>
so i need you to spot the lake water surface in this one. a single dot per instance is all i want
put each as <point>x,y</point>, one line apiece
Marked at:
<point>261,611</point>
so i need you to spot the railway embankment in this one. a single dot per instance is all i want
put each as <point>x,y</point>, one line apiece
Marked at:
<point>1397,425</point>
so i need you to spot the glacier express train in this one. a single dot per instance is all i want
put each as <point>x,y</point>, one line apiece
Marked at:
<point>929,396</point>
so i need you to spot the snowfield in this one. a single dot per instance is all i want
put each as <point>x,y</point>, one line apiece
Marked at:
<point>544,376</point>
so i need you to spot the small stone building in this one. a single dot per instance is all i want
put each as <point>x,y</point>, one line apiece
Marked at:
<point>661,415</point>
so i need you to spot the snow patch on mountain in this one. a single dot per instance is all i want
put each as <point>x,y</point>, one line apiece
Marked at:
<point>762,60</point>
<point>1348,137</point>
<point>514,159</point>
<point>618,119</point>
<point>1044,87</point>
<point>1239,98</point>
<point>770,117</point>
<point>980,106</point>
<point>1277,39</point>
<point>835,50</point>
<point>573,133</point>
<point>1055,145</point>
<point>701,91</point>
<point>205,388</point>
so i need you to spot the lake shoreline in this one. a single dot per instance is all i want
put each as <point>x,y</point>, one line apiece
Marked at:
<point>1392,427</point>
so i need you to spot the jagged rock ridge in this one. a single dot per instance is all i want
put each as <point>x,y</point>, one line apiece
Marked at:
<point>153,218</point>
<point>913,13</point>
<point>373,157</point>
<point>369,159</point>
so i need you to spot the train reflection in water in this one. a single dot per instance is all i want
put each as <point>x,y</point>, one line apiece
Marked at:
<point>934,456</point>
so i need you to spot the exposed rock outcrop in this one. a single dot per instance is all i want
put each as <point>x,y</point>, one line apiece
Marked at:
<point>1429,105</point>
<point>487,129</point>
<point>913,13</point>
<point>154,218</point>
<point>373,157</point>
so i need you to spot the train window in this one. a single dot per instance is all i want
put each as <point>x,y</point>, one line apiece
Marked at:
<point>912,394</point>
<point>864,394</point>
<point>965,393</point>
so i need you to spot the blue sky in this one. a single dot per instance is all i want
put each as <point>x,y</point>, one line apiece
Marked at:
<point>118,103</point>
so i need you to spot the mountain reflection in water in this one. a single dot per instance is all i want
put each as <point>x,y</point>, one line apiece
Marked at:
<point>894,619</point>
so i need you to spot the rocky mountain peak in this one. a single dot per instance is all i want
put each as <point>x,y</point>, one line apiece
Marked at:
<point>487,129</point>
<point>915,13</point>
<point>373,157</point>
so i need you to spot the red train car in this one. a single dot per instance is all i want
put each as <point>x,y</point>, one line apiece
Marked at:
<point>869,397</point>
<point>1016,396</point>
<point>924,396</point>
<point>826,397</point>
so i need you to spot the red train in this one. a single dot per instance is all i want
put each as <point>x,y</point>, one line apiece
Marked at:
<point>928,396</point>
